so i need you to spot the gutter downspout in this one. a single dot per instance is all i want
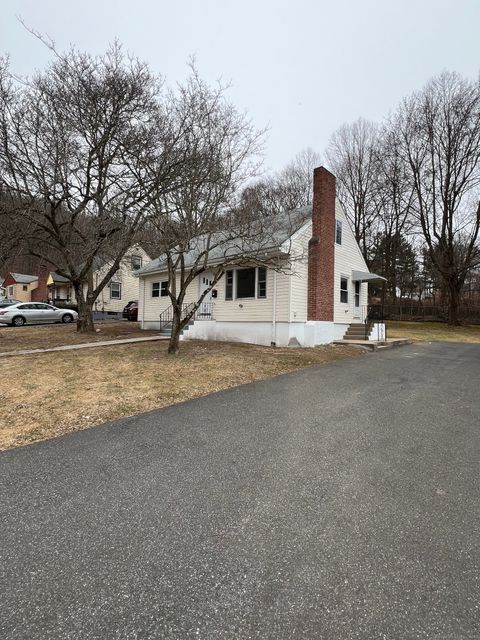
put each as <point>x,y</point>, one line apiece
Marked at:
<point>273,343</point>
<point>143,304</point>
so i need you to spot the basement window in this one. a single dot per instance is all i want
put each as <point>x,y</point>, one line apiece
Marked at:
<point>344,290</point>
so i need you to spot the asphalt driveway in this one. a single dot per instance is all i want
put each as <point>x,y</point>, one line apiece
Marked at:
<point>337,502</point>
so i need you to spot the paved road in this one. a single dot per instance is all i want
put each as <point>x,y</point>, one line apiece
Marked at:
<point>337,502</point>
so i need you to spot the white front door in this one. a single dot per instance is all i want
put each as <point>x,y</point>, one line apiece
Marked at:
<point>356,299</point>
<point>205,281</point>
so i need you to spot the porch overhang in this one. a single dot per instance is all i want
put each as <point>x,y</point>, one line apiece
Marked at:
<point>365,276</point>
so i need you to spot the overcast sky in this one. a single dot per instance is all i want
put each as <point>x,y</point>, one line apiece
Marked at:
<point>302,67</point>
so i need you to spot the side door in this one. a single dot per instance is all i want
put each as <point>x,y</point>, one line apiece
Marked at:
<point>29,312</point>
<point>356,299</point>
<point>46,312</point>
<point>205,309</point>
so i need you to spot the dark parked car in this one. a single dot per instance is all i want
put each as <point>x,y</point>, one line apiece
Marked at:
<point>130,312</point>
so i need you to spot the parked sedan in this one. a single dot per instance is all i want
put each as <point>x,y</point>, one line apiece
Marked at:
<point>35,313</point>
<point>7,302</point>
<point>131,310</point>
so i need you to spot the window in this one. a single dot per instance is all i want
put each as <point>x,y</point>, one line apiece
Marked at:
<point>25,287</point>
<point>343,289</point>
<point>160,289</point>
<point>229,285</point>
<point>115,290</point>
<point>136,262</point>
<point>262,282</point>
<point>338,231</point>
<point>246,283</point>
<point>10,291</point>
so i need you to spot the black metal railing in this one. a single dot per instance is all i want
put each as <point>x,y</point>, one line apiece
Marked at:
<point>371,314</point>
<point>189,311</point>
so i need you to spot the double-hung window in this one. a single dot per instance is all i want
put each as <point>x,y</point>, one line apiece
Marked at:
<point>250,282</point>
<point>261,282</point>
<point>344,290</point>
<point>116,290</point>
<point>338,231</point>
<point>160,289</point>
<point>229,285</point>
<point>136,262</point>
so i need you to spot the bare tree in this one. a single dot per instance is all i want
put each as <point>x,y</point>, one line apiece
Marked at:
<point>351,154</point>
<point>392,194</point>
<point>286,190</point>
<point>439,129</point>
<point>76,162</point>
<point>219,147</point>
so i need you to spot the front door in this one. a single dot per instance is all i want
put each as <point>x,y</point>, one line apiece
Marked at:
<point>205,309</point>
<point>356,303</point>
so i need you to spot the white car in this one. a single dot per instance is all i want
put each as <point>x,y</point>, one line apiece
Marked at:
<point>35,313</point>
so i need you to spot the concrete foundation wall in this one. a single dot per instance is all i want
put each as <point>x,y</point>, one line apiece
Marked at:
<point>302,334</point>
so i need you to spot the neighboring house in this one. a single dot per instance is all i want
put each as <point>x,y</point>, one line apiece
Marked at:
<point>20,286</point>
<point>59,289</point>
<point>122,288</point>
<point>313,300</point>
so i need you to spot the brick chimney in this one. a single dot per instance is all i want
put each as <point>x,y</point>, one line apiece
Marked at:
<point>39,294</point>
<point>321,248</point>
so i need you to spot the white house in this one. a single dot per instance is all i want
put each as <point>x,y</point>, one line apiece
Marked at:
<point>313,300</point>
<point>122,288</point>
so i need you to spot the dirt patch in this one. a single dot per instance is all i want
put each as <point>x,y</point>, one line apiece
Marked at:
<point>58,335</point>
<point>55,393</point>
<point>433,332</point>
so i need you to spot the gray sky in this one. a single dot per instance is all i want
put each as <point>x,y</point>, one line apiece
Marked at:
<point>301,68</point>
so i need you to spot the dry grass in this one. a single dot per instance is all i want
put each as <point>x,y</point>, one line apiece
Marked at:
<point>433,332</point>
<point>54,393</point>
<point>56,335</point>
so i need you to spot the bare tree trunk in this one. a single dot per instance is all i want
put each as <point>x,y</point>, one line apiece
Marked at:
<point>85,312</point>
<point>453,304</point>
<point>174,344</point>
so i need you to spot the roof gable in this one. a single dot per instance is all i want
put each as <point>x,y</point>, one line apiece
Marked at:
<point>225,247</point>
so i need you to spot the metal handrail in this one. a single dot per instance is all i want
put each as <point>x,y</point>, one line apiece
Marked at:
<point>189,310</point>
<point>372,313</point>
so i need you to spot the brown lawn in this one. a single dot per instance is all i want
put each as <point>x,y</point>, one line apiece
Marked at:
<point>56,335</point>
<point>433,332</point>
<point>55,393</point>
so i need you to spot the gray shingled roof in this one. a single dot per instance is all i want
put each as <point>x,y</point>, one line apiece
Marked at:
<point>22,278</point>
<point>226,247</point>
<point>58,278</point>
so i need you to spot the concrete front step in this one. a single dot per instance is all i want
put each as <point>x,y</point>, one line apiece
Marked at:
<point>375,345</point>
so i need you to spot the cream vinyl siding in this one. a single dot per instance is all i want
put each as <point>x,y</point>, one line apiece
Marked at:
<point>299,274</point>
<point>348,257</point>
<point>237,310</point>
<point>129,282</point>
<point>254,309</point>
